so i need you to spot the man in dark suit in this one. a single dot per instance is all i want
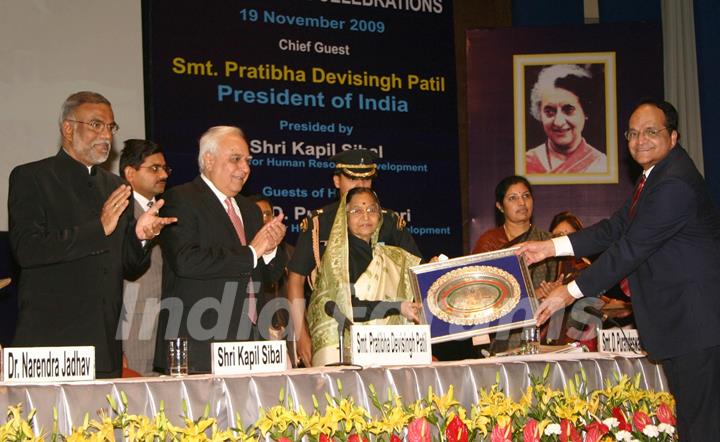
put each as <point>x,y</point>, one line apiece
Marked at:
<point>143,165</point>
<point>663,246</point>
<point>74,240</point>
<point>217,255</point>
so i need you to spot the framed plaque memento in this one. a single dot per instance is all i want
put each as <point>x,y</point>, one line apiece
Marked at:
<point>474,295</point>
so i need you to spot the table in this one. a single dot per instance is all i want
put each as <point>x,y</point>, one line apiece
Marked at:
<point>245,395</point>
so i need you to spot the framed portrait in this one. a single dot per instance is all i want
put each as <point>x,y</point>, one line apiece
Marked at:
<point>565,118</point>
<point>475,295</point>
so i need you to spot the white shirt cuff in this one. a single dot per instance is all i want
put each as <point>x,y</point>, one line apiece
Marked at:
<point>574,290</point>
<point>563,246</point>
<point>269,256</point>
<point>254,256</point>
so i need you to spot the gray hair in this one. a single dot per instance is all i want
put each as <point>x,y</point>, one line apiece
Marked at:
<point>547,79</point>
<point>210,139</point>
<point>78,99</point>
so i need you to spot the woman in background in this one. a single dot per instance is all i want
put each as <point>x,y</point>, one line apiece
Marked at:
<point>369,282</point>
<point>514,205</point>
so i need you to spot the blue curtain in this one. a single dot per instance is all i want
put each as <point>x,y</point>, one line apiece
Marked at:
<point>547,13</point>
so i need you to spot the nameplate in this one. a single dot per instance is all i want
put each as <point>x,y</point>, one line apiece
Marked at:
<point>48,364</point>
<point>248,357</point>
<point>613,341</point>
<point>385,345</point>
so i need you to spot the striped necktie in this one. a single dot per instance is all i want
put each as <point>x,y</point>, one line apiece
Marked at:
<point>624,285</point>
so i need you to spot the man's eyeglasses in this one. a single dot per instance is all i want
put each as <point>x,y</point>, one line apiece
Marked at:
<point>98,126</point>
<point>359,211</point>
<point>155,168</point>
<point>649,132</point>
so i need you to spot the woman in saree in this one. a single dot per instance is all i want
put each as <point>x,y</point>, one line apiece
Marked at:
<point>368,281</point>
<point>514,203</point>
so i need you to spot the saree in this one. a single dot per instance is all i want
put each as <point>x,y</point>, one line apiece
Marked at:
<point>584,159</point>
<point>386,278</point>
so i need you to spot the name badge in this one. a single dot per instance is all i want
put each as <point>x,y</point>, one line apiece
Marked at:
<point>613,341</point>
<point>385,345</point>
<point>48,364</point>
<point>248,357</point>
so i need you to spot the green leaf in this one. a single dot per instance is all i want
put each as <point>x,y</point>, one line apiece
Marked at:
<point>111,401</point>
<point>124,399</point>
<point>339,385</point>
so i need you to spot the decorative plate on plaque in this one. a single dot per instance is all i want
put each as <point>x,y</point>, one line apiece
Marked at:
<point>476,294</point>
<point>473,295</point>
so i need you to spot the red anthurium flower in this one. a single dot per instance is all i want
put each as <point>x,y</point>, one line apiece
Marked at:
<point>355,438</point>
<point>530,431</point>
<point>665,415</point>
<point>568,432</point>
<point>595,431</point>
<point>620,416</point>
<point>640,420</point>
<point>501,434</point>
<point>284,439</point>
<point>456,430</point>
<point>325,438</point>
<point>419,430</point>
<point>395,438</point>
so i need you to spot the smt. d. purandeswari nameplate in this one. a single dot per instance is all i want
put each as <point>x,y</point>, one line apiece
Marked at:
<point>476,294</point>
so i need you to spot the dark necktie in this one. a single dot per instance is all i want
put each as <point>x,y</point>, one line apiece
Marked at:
<point>624,285</point>
<point>240,230</point>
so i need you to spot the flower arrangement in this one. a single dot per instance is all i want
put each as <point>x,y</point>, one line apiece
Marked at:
<point>621,411</point>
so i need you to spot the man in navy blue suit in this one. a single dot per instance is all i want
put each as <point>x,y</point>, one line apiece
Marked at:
<point>663,246</point>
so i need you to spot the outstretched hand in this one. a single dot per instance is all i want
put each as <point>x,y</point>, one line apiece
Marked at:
<point>411,310</point>
<point>536,251</point>
<point>558,299</point>
<point>150,224</point>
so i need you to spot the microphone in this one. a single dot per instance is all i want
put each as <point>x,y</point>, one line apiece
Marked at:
<point>595,312</point>
<point>332,309</point>
<point>599,314</point>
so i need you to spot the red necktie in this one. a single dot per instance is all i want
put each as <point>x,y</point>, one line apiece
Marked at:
<point>235,220</point>
<point>624,285</point>
<point>240,230</point>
